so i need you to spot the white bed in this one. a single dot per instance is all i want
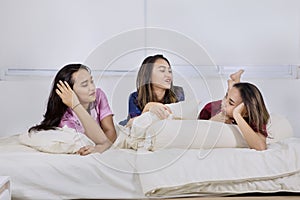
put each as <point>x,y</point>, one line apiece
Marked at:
<point>39,175</point>
<point>166,172</point>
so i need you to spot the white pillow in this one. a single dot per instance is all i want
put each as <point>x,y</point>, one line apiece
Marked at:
<point>135,137</point>
<point>62,140</point>
<point>205,134</point>
<point>194,134</point>
<point>186,110</point>
<point>278,128</point>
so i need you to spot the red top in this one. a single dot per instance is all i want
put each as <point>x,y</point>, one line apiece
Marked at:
<point>213,108</point>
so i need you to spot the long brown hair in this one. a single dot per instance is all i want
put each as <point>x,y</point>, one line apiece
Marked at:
<point>145,87</point>
<point>258,114</point>
<point>55,107</point>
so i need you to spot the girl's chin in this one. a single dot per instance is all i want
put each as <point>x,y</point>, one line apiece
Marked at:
<point>163,86</point>
<point>223,111</point>
<point>92,98</point>
<point>167,87</point>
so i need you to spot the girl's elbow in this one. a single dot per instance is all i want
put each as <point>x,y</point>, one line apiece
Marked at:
<point>114,137</point>
<point>111,136</point>
<point>260,147</point>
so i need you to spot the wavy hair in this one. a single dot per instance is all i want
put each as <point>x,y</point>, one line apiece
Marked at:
<point>145,87</point>
<point>258,114</point>
<point>55,107</point>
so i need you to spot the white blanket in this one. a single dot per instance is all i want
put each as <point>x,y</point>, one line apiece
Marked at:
<point>39,175</point>
<point>150,133</point>
<point>124,173</point>
<point>173,172</point>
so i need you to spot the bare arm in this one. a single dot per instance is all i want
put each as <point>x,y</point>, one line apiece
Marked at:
<point>106,134</point>
<point>108,128</point>
<point>92,128</point>
<point>109,131</point>
<point>254,139</point>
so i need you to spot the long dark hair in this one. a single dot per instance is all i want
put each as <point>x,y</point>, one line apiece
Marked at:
<point>145,87</point>
<point>258,114</point>
<point>55,107</point>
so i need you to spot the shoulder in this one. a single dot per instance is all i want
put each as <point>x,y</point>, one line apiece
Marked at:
<point>213,105</point>
<point>99,92</point>
<point>178,90</point>
<point>210,110</point>
<point>133,95</point>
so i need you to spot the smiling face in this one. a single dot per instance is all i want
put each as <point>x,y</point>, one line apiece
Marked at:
<point>231,101</point>
<point>161,77</point>
<point>84,87</point>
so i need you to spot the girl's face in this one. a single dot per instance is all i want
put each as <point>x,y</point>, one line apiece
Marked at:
<point>161,76</point>
<point>84,86</point>
<point>231,101</point>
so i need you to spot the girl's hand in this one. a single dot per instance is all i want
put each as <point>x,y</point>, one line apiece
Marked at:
<point>240,110</point>
<point>67,95</point>
<point>129,123</point>
<point>221,117</point>
<point>162,111</point>
<point>83,151</point>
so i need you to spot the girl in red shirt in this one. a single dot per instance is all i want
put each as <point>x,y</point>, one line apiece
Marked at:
<point>243,105</point>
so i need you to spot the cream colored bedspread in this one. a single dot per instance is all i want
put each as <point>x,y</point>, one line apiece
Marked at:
<point>129,174</point>
<point>39,175</point>
<point>173,172</point>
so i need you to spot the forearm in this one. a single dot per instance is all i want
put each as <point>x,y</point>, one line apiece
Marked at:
<point>111,135</point>
<point>102,148</point>
<point>254,140</point>
<point>92,128</point>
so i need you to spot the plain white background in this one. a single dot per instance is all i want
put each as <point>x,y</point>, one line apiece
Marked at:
<point>111,35</point>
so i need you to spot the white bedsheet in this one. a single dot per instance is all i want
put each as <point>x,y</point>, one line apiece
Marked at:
<point>124,174</point>
<point>173,172</point>
<point>38,175</point>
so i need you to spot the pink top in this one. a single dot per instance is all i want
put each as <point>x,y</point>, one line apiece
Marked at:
<point>99,111</point>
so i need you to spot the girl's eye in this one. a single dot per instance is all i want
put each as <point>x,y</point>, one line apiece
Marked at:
<point>162,70</point>
<point>230,103</point>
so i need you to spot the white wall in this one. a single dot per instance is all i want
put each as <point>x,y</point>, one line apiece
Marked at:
<point>23,103</point>
<point>235,32</point>
<point>111,34</point>
<point>51,33</point>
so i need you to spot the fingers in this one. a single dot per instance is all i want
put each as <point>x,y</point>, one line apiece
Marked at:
<point>66,93</point>
<point>58,92</point>
<point>167,108</point>
<point>63,86</point>
<point>162,112</point>
<point>85,150</point>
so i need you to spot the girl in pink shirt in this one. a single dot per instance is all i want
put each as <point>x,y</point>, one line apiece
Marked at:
<point>75,102</point>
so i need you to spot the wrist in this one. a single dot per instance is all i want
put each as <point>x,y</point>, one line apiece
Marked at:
<point>75,106</point>
<point>237,116</point>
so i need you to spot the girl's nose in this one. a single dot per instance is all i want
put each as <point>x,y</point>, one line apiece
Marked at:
<point>92,87</point>
<point>168,74</point>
